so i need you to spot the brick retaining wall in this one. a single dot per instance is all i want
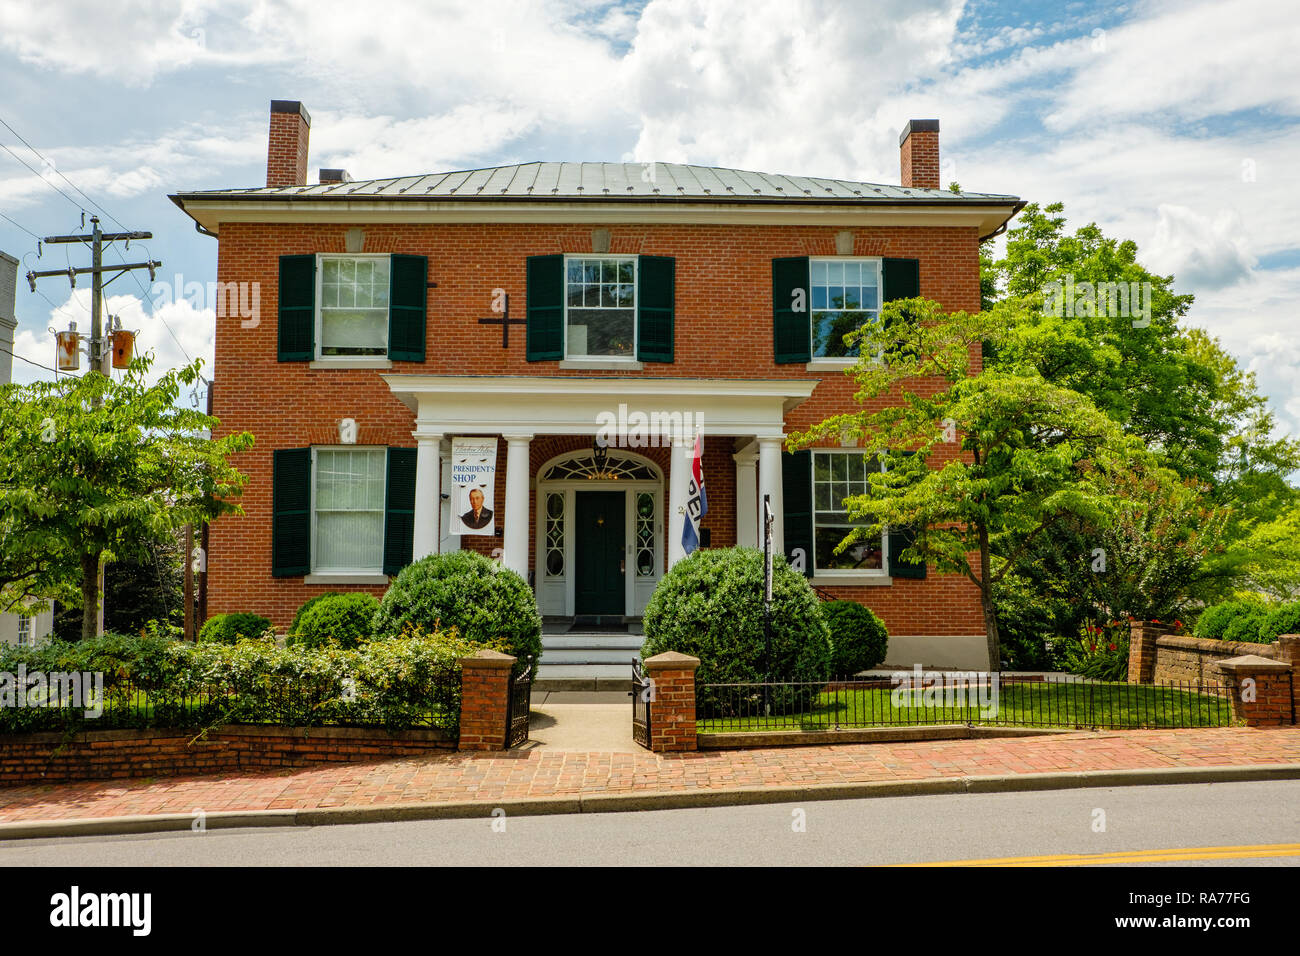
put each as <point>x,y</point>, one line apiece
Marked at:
<point>1182,658</point>
<point>112,754</point>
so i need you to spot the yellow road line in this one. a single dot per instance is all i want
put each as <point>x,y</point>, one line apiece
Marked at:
<point>1132,856</point>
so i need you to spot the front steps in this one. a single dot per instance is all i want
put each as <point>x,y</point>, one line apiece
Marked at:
<point>587,661</point>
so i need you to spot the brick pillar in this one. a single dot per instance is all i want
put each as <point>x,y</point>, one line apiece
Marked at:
<point>1260,690</point>
<point>672,708</point>
<point>484,699</point>
<point>1142,651</point>
<point>1288,652</point>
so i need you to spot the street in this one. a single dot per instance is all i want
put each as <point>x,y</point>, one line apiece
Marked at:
<point>1254,824</point>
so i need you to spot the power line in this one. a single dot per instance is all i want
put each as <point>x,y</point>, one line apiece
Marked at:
<point>21,226</point>
<point>35,172</point>
<point>58,173</point>
<point>30,362</point>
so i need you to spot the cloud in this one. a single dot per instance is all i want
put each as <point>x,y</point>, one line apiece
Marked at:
<point>1204,253</point>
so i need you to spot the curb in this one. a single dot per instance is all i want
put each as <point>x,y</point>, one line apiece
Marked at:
<point>661,800</point>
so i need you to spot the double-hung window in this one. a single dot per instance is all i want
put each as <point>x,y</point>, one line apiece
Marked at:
<point>353,300</point>
<point>845,295</point>
<point>838,475</point>
<point>24,630</point>
<point>600,307</point>
<point>348,486</point>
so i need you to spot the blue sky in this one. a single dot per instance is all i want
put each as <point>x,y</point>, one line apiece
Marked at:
<point>1170,123</point>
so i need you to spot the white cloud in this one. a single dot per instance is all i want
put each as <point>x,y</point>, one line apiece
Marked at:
<point>1205,253</point>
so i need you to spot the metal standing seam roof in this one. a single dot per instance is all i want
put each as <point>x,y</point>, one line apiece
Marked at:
<point>607,182</point>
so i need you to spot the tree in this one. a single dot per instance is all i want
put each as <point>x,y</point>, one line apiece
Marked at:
<point>1016,455</point>
<point>92,466</point>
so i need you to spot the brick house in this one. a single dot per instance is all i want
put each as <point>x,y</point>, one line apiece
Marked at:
<point>654,295</point>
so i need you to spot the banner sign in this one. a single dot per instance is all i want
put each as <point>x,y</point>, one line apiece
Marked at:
<point>697,502</point>
<point>473,482</point>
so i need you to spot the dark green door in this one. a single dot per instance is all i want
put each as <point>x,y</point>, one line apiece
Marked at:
<point>598,518</point>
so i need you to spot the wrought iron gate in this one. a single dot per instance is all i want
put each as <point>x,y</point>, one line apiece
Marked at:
<point>519,707</point>
<point>642,694</point>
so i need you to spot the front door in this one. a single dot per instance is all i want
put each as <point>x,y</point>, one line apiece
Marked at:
<point>598,542</point>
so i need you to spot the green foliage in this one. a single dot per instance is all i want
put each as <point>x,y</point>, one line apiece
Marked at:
<point>710,605</point>
<point>230,628</point>
<point>1284,619</point>
<point>92,466</point>
<point>1240,619</point>
<point>342,619</point>
<point>157,682</point>
<point>303,609</point>
<point>858,637</point>
<point>1033,622</point>
<point>482,600</point>
<point>1100,652</point>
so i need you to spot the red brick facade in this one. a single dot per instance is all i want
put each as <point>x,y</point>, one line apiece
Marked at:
<point>719,334</point>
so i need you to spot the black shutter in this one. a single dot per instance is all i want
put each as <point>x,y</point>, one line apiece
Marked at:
<point>408,294</point>
<point>544,308</point>
<point>791,329</point>
<point>898,540</point>
<point>290,512</point>
<point>902,279</point>
<point>399,509</point>
<point>796,500</point>
<point>654,308</point>
<point>297,309</point>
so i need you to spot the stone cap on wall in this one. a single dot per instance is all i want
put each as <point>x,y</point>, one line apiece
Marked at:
<point>487,658</point>
<point>1254,664</point>
<point>1212,645</point>
<point>672,659</point>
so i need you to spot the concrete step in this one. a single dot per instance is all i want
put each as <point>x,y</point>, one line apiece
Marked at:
<point>589,655</point>
<point>556,676</point>
<point>615,640</point>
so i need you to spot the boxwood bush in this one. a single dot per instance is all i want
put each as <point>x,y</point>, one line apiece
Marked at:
<point>1237,620</point>
<point>858,637</point>
<point>1284,619</point>
<point>306,606</point>
<point>341,619</point>
<point>229,628</point>
<point>484,601</point>
<point>710,605</point>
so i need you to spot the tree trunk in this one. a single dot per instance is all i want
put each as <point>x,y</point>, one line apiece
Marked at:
<point>89,595</point>
<point>991,632</point>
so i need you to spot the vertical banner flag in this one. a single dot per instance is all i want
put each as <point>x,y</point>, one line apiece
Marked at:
<point>697,502</point>
<point>473,481</point>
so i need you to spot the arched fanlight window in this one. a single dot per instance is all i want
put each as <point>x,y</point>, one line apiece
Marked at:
<point>615,468</point>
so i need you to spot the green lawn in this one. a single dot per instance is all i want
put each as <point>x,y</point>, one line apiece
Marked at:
<point>1030,704</point>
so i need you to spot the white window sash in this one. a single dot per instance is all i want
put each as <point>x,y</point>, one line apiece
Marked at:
<point>636,276</point>
<point>316,512</point>
<point>320,306</point>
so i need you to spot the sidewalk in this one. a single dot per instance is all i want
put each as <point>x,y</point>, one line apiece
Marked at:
<point>543,780</point>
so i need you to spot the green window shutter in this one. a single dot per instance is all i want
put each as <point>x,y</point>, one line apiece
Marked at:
<point>902,279</point>
<point>544,308</point>
<point>898,540</point>
<point>399,509</point>
<point>408,294</point>
<point>654,308</point>
<point>791,330</point>
<point>796,500</point>
<point>290,512</point>
<point>297,309</point>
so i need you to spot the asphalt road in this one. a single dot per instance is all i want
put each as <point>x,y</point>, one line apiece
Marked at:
<point>1251,823</point>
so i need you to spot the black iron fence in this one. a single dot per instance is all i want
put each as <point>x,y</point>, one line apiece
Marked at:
<point>288,700</point>
<point>642,694</point>
<point>519,703</point>
<point>975,699</point>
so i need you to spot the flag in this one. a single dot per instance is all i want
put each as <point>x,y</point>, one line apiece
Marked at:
<point>697,502</point>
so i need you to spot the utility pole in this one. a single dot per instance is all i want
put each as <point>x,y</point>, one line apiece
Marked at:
<point>92,622</point>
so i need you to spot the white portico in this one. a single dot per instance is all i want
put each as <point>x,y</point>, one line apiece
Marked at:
<point>520,409</point>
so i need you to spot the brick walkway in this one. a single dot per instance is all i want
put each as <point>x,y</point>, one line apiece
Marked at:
<point>540,773</point>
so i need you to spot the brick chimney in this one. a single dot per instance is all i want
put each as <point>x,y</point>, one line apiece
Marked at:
<point>334,177</point>
<point>286,151</point>
<point>919,153</point>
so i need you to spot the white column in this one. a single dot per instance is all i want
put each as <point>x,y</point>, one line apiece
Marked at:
<point>517,510</point>
<point>769,483</point>
<point>747,498</point>
<point>679,470</point>
<point>428,495</point>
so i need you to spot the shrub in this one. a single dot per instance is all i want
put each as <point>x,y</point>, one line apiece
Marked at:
<point>710,605</point>
<point>1100,652</point>
<point>229,628</point>
<point>1237,620</point>
<point>311,602</point>
<point>342,619</point>
<point>858,637</point>
<point>485,602</point>
<point>1284,619</point>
